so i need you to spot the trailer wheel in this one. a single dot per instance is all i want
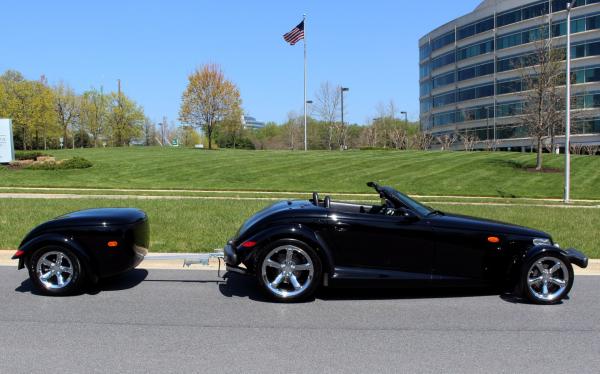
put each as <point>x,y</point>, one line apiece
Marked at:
<point>56,271</point>
<point>288,270</point>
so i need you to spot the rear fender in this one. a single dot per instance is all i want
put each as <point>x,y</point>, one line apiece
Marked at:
<point>297,232</point>
<point>44,240</point>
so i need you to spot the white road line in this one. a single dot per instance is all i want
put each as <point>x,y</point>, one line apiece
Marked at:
<point>287,193</point>
<point>172,197</point>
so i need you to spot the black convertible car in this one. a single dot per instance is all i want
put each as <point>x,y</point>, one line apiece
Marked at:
<point>293,247</point>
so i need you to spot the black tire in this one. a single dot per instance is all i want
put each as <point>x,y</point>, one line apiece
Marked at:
<point>301,250</point>
<point>564,273</point>
<point>73,282</point>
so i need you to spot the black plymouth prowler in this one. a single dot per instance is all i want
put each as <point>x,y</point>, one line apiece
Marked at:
<point>293,247</point>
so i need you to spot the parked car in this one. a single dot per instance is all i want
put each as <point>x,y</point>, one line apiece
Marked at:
<point>293,247</point>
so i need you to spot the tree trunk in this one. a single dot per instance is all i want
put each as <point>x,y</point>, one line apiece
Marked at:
<point>209,133</point>
<point>538,165</point>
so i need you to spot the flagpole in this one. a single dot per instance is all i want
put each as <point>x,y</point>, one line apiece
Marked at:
<point>305,104</point>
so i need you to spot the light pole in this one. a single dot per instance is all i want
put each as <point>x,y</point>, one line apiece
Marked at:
<point>405,118</point>
<point>568,109</point>
<point>342,90</point>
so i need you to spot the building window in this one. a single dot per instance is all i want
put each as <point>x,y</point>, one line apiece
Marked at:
<point>425,51</point>
<point>508,18</point>
<point>443,41</point>
<point>445,99</point>
<point>424,70</point>
<point>476,50</point>
<point>443,80</point>
<point>475,28</point>
<point>443,60</point>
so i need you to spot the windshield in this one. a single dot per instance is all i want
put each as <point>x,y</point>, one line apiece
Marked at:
<point>411,204</point>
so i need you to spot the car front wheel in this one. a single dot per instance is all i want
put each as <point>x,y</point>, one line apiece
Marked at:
<point>289,271</point>
<point>56,271</point>
<point>547,279</point>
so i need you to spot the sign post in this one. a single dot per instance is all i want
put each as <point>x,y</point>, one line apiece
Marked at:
<point>7,147</point>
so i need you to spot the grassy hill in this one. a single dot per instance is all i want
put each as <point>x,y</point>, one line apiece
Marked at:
<point>426,173</point>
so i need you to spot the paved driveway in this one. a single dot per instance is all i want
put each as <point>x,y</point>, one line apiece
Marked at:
<point>189,321</point>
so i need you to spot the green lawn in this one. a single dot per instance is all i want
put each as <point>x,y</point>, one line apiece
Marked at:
<point>202,225</point>
<point>424,173</point>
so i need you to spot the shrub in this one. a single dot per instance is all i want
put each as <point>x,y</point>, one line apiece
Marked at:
<point>72,163</point>
<point>29,155</point>
<point>76,163</point>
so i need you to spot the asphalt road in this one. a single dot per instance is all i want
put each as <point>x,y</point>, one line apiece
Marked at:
<point>187,321</point>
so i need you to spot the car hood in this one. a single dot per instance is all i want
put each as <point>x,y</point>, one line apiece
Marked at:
<point>479,224</point>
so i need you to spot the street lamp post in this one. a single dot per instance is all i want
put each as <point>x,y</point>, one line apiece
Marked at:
<point>342,90</point>
<point>568,109</point>
<point>405,118</point>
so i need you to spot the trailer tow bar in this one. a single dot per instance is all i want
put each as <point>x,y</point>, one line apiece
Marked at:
<point>190,258</point>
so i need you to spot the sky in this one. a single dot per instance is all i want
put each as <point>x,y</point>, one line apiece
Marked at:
<point>370,47</point>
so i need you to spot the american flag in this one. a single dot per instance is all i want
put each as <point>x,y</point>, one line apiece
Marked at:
<point>295,35</point>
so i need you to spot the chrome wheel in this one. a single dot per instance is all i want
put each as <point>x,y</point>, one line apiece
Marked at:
<point>54,270</point>
<point>287,271</point>
<point>548,278</point>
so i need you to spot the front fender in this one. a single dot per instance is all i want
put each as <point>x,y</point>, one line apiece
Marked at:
<point>574,256</point>
<point>289,231</point>
<point>37,242</point>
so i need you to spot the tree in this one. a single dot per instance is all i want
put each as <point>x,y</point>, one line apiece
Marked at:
<point>30,106</point>
<point>125,119</point>
<point>327,107</point>
<point>66,105</point>
<point>208,99</point>
<point>94,113</point>
<point>149,132</point>
<point>543,104</point>
<point>292,130</point>
<point>232,128</point>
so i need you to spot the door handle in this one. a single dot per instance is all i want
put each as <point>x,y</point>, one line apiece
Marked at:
<point>341,227</point>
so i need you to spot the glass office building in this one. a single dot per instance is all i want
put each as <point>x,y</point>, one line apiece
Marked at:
<point>469,76</point>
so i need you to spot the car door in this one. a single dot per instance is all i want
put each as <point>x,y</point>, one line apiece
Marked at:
<point>462,254</point>
<point>394,246</point>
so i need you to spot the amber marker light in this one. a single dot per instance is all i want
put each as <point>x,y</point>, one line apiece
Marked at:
<point>112,243</point>
<point>493,239</point>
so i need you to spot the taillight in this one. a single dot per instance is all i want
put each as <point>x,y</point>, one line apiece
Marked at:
<point>19,253</point>
<point>248,244</point>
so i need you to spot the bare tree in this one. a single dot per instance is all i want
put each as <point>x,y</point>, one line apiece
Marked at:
<point>491,144</point>
<point>447,140</point>
<point>422,140</point>
<point>293,129</point>
<point>328,108</point>
<point>591,150</point>
<point>469,141</point>
<point>543,103</point>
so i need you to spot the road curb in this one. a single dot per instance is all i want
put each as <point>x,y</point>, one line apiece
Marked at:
<point>5,260</point>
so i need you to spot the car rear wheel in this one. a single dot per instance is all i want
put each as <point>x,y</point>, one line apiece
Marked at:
<point>288,271</point>
<point>547,279</point>
<point>56,271</point>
